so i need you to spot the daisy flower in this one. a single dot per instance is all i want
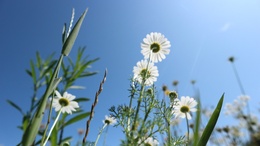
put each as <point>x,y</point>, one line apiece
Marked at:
<point>184,106</point>
<point>155,46</point>
<point>64,103</point>
<point>109,120</point>
<point>147,71</point>
<point>150,142</point>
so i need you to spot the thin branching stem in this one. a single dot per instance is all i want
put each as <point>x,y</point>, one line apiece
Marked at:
<point>243,93</point>
<point>147,112</point>
<point>133,90</point>
<point>141,94</point>
<point>188,128</point>
<point>93,106</point>
<point>238,79</point>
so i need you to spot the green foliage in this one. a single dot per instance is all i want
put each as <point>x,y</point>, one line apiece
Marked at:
<point>67,46</point>
<point>197,123</point>
<point>211,124</point>
<point>15,106</point>
<point>34,125</point>
<point>143,119</point>
<point>76,119</point>
<point>79,69</point>
<point>43,76</point>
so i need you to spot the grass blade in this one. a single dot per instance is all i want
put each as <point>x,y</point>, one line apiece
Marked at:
<point>197,123</point>
<point>76,118</point>
<point>73,35</point>
<point>15,106</point>
<point>211,124</point>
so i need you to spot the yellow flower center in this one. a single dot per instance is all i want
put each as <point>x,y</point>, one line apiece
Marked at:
<point>144,73</point>
<point>64,101</point>
<point>147,144</point>
<point>155,47</point>
<point>185,109</point>
<point>107,122</point>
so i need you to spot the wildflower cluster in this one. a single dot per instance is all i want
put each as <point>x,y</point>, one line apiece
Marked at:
<point>245,130</point>
<point>147,115</point>
<point>143,119</point>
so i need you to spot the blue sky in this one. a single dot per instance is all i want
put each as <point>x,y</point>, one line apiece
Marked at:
<point>203,35</point>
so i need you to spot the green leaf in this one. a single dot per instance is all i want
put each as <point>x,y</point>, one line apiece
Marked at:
<point>50,66</point>
<point>64,33</point>
<point>34,125</point>
<point>33,73</point>
<point>29,72</point>
<point>76,118</point>
<point>69,42</point>
<point>55,84</point>
<point>15,106</point>
<point>197,123</point>
<point>26,121</point>
<point>86,74</point>
<point>82,99</point>
<point>211,124</point>
<point>39,60</point>
<point>76,87</point>
<point>80,69</point>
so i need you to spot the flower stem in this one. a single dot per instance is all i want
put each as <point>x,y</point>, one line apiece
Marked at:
<point>130,108</point>
<point>46,140</point>
<point>141,93</point>
<point>188,129</point>
<point>249,120</point>
<point>100,132</point>
<point>138,106</point>
<point>238,79</point>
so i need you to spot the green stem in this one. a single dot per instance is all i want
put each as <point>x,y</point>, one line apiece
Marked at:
<point>138,106</point>
<point>33,128</point>
<point>169,128</point>
<point>46,140</point>
<point>169,134</point>
<point>100,132</point>
<point>147,112</point>
<point>238,79</point>
<point>105,137</point>
<point>48,122</point>
<point>188,129</point>
<point>130,108</point>
<point>141,93</point>
<point>249,120</point>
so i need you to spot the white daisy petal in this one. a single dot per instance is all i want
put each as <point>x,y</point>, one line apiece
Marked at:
<point>109,120</point>
<point>184,106</point>
<point>58,94</point>
<point>64,103</point>
<point>150,141</point>
<point>151,75</point>
<point>156,44</point>
<point>188,116</point>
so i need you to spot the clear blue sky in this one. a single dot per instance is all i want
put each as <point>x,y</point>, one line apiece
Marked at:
<point>203,35</point>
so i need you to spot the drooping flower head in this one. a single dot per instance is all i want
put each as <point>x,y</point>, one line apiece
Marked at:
<point>109,120</point>
<point>144,70</point>
<point>184,106</point>
<point>155,46</point>
<point>64,103</point>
